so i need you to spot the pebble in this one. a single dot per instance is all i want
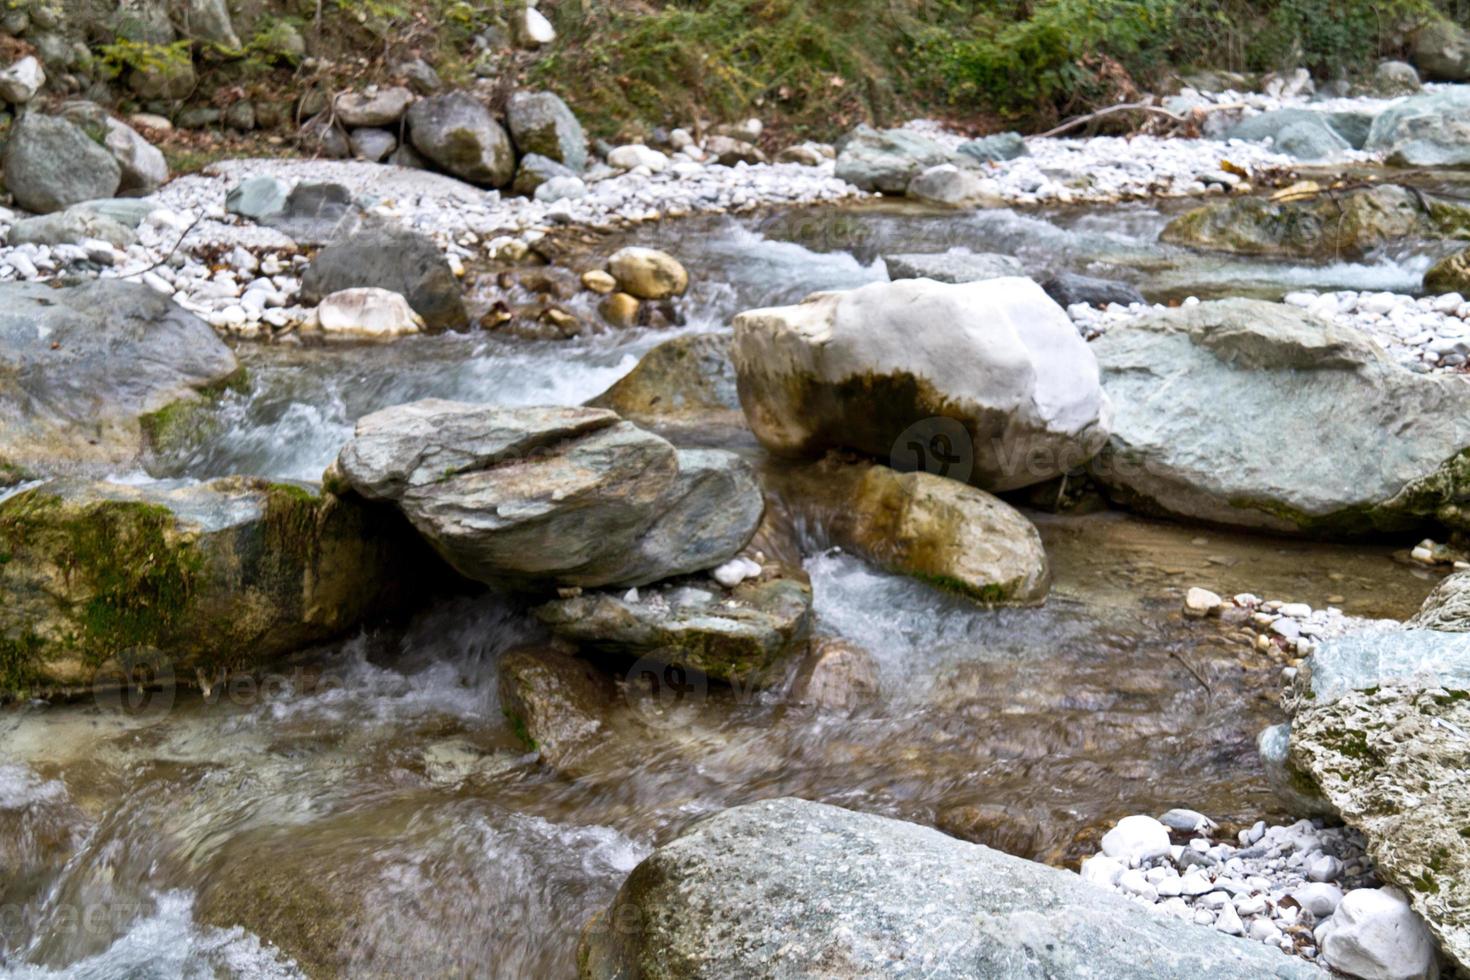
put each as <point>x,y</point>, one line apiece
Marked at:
<point>1199,603</point>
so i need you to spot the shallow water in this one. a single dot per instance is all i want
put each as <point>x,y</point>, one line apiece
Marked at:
<point>365,809</point>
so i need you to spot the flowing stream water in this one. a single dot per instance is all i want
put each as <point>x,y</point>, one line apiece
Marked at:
<point>365,809</point>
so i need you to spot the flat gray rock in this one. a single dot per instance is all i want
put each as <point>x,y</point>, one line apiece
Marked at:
<point>791,888</point>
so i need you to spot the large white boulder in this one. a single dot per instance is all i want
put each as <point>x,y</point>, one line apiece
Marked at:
<point>1374,935</point>
<point>987,381</point>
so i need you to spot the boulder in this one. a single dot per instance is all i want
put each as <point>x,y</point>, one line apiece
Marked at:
<point>84,368</point>
<point>178,577</point>
<point>1213,402</point>
<point>888,160</point>
<point>1428,130</point>
<point>461,136</point>
<point>553,496</point>
<point>398,260</point>
<point>949,185</point>
<point>1447,609</point>
<point>206,20</point>
<point>1449,275</point>
<point>683,389</point>
<point>1395,78</point>
<point>648,273</point>
<point>1378,727</point>
<point>258,198</point>
<point>535,170</point>
<point>1441,50</point>
<point>792,888</point>
<point>50,164</point>
<point>368,313</point>
<point>1373,933</point>
<point>73,225</point>
<point>938,530</point>
<point>316,214</point>
<point>22,80</point>
<point>541,123</point>
<point>373,145</point>
<point>996,148</point>
<point>956,265</point>
<point>985,381</point>
<point>1323,226</point>
<point>142,165</point>
<point>1069,288</point>
<point>380,108</point>
<point>1301,133</point>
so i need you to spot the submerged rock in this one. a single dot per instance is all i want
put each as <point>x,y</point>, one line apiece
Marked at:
<point>985,381</point>
<point>1327,225</point>
<point>938,530</point>
<point>1214,402</point>
<point>177,577</point>
<point>1429,130</point>
<point>886,161</point>
<point>556,701</point>
<point>952,266</point>
<point>398,260</point>
<point>86,370</point>
<point>553,496</point>
<point>787,887</point>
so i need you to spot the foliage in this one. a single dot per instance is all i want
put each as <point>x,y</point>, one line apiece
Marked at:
<point>124,54</point>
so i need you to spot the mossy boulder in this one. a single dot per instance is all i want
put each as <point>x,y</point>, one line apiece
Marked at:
<point>83,368</point>
<point>1449,275</point>
<point>1322,226</point>
<point>936,529</point>
<point>207,577</point>
<point>1254,414</point>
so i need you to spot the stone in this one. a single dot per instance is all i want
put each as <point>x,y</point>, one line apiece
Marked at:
<point>949,185</point>
<point>558,700</point>
<point>1428,130</point>
<point>535,170</point>
<point>599,281</point>
<point>1199,603</point>
<point>888,160</point>
<point>22,81</point>
<point>1068,288</point>
<point>938,530</point>
<point>1001,392</point>
<point>837,676</point>
<point>318,214</point>
<point>1209,398</point>
<point>683,389</point>
<point>1323,226</point>
<point>1134,836</point>
<point>1441,50</point>
<point>142,165</point>
<point>377,109</point>
<point>207,21</point>
<point>541,123</point>
<point>619,310</point>
<point>368,313</point>
<point>460,135</point>
<point>1187,821</point>
<point>1102,870</point>
<point>553,496</point>
<point>636,155</point>
<point>323,136</point>
<point>1447,608</point>
<point>1375,936</point>
<point>258,197</point>
<point>996,148</point>
<point>791,888</point>
<point>72,226</point>
<point>87,371</point>
<point>1317,897</point>
<point>807,154</point>
<point>531,28</point>
<point>395,259</point>
<point>648,273</point>
<point>1394,78</point>
<point>1449,275</point>
<point>50,164</point>
<point>373,145</point>
<point>561,188</point>
<point>420,76</point>
<point>1301,133</point>
<point>240,116</point>
<point>728,151</point>
<point>169,79</point>
<point>106,581</point>
<point>956,265</point>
